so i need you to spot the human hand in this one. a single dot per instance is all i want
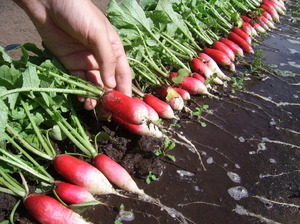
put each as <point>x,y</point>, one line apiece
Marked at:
<point>84,41</point>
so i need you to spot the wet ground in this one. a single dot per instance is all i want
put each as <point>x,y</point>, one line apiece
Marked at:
<point>250,149</point>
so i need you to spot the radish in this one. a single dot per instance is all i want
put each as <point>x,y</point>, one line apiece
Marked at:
<point>139,129</point>
<point>121,178</point>
<point>253,30</point>
<point>269,23</point>
<point>259,28</point>
<point>199,77</point>
<point>72,194</point>
<point>83,174</point>
<point>263,22</point>
<point>190,84</point>
<point>183,93</point>
<point>247,19</point>
<point>200,67</point>
<point>223,47</point>
<point>116,174</point>
<point>280,4</point>
<point>220,58</point>
<point>247,28</point>
<point>241,42</point>
<point>194,86</point>
<point>234,47</point>
<point>125,107</point>
<point>163,109</point>
<point>242,34</point>
<point>274,5</point>
<point>167,93</point>
<point>152,114</point>
<point>267,15</point>
<point>46,209</point>
<point>213,65</point>
<point>272,12</point>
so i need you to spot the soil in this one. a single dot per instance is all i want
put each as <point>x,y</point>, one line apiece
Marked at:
<point>250,146</point>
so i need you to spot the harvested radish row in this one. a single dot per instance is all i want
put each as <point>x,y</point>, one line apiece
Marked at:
<point>200,67</point>
<point>139,129</point>
<point>125,107</point>
<point>46,209</point>
<point>168,93</point>
<point>234,47</point>
<point>73,194</point>
<point>241,42</point>
<point>183,93</point>
<point>218,45</point>
<point>213,65</point>
<point>242,34</point>
<point>82,174</point>
<point>220,58</point>
<point>163,109</point>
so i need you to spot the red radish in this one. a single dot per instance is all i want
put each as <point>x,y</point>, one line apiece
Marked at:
<point>82,174</point>
<point>259,28</point>
<point>274,5</point>
<point>242,34</point>
<point>139,129</point>
<point>280,3</point>
<point>253,30</point>
<point>267,15</point>
<point>269,23</point>
<point>240,41</point>
<point>213,65</point>
<point>73,194</point>
<point>247,28</point>
<point>272,12</point>
<point>116,174</point>
<point>263,22</point>
<point>234,47</point>
<point>46,209</point>
<point>219,57</point>
<point>200,67</point>
<point>183,93</point>
<point>190,84</point>
<point>223,47</point>
<point>169,94</point>
<point>163,109</point>
<point>152,114</point>
<point>247,19</point>
<point>125,107</point>
<point>199,77</point>
<point>194,86</point>
<point>102,113</point>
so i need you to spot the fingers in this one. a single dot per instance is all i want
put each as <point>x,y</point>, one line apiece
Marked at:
<point>123,76</point>
<point>105,54</point>
<point>122,71</point>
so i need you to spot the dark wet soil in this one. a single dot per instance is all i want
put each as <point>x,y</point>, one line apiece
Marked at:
<point>250,150</point>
